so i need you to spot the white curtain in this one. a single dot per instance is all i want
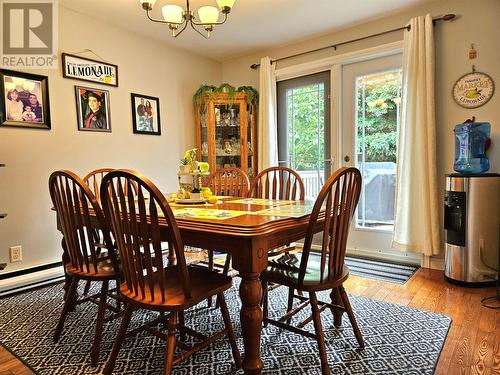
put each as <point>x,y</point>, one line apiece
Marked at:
<point>267,133</point>
<point>416,225</point>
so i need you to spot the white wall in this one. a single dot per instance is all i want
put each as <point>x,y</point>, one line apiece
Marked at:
<point>477,23</point>
<point>145,67</point>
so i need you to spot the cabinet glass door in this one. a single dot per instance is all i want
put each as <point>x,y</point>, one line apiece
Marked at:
<point>227,135</point>
<point>204,134</point>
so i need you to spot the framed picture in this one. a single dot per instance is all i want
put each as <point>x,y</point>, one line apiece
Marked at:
<point>85,69</point>
<point>24,100</point>
<point>92,107</point>
<point>146,114</point>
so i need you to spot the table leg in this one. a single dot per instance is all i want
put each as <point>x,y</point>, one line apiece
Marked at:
<point>251,321</point>
<point>68,278</point>
<point>336,300</point>
<point>171,260</point>
<point>65,260</point>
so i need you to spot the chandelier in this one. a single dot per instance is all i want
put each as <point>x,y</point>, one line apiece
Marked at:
<point>178,18</point>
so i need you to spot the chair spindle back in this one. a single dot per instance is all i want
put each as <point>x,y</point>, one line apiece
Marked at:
<point>337,201</point>
<point>229,182</point>
<point>93,180</point>
<point>136,222</point>
<point>278,183</point>
<point>73,201</point>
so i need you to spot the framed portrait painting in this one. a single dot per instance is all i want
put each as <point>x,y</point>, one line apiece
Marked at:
<point>92,107</point>
<point>146,114</point>
<point>24,100</point>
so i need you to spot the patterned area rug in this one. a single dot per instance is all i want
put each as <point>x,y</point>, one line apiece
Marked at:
<point>399,340</point>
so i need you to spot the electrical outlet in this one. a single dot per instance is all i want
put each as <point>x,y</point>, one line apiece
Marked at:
<point>16,254</point>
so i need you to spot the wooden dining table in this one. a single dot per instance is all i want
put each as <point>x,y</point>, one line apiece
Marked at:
<point>246,228</point>
<point>263,225</point>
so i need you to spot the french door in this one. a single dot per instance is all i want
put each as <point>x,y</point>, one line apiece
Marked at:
<point>304,128</point>
<point>370,111</point>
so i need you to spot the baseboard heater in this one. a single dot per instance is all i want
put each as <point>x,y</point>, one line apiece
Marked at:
<point>30,278</point>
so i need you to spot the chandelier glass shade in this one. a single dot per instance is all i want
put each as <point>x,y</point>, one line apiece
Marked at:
<point>178,18</point>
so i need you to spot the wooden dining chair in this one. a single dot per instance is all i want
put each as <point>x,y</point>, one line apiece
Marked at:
<point>139,224</point>
<point>93,179</point>
<point>309,272</point>
<point>278,183</point>
<point>229,182</point>
<point>73,200</point>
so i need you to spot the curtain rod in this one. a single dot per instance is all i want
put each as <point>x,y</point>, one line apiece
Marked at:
<point>446,17</point>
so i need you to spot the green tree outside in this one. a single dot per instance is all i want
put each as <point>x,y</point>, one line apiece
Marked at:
<point>377,111</point>
<point>378,114</point>
<point>306,140</point>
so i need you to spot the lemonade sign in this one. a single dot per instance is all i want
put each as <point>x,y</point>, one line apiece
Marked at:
<point>473,90</point>
<point>85,69</point>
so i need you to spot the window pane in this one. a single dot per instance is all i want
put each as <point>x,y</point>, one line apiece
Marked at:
<point>306,138</point>
<point>377,117</point>
<point>303,127</point>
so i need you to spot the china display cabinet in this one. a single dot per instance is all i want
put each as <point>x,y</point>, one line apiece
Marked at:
<point>226,131</point>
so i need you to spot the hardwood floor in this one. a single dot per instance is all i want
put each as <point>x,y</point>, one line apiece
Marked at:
<point>10,365</point>
<point>473,343</point>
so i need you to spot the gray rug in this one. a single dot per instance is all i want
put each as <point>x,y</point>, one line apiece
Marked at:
<point>399,340</point>
<point>379,270</point>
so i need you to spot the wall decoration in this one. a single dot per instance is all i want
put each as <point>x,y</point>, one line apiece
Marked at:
<point>93,109</point>
<point>24,100</point>
<point>85,69</point>
<point>146,114</point>
<point>473,90</point>
<point>472,52</point>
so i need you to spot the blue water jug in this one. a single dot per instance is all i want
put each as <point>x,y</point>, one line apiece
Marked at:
<point>471,142</point>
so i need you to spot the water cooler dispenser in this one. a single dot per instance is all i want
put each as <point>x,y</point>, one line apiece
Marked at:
<point>472,228</point>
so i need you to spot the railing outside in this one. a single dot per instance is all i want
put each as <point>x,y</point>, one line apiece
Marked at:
<point>376,205</point>
<point>313,182</point>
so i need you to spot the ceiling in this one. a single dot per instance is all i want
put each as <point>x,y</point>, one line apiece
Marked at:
<point>253,25</point>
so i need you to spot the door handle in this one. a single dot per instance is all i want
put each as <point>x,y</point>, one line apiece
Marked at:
<point>347,158</point>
